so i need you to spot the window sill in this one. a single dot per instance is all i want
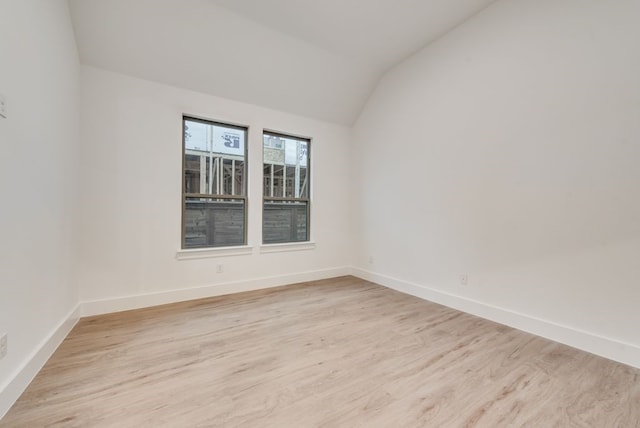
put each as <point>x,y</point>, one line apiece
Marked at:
<point>289,246</point>
<point>205,253</point>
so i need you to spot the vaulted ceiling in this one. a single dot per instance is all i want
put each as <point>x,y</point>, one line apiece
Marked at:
<point>319,59</point>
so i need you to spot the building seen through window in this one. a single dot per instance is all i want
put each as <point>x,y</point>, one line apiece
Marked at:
<point>286,181</point>
<point>214,188</point>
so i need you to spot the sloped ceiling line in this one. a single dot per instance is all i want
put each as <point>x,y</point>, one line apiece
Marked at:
<point>316,59</point>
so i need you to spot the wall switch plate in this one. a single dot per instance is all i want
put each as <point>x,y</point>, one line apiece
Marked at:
<point>3,106</point>
<point>3,345</point>
<point>219,268</point>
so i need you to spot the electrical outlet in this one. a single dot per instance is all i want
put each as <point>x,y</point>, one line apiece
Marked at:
<point>3,345</point>
<point>464,279</point>
<point>3,106</point>
<point>219,268</point>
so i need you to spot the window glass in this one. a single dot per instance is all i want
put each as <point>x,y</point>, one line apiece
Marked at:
<point>285,215</point>
<point>214,190</point>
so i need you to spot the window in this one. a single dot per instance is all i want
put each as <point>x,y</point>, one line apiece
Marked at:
<point>214,210</point>
<point>285,214</point>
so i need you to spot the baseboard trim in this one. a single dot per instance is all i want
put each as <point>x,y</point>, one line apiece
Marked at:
<point>13,389</point>
<point>606,347</point>
<point>138,301</point>
<point>613,349</point>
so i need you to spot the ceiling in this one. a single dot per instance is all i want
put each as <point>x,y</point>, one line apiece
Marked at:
<point>319,59</point>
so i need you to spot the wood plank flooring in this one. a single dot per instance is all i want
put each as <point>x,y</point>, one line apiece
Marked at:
<point>335,353</point>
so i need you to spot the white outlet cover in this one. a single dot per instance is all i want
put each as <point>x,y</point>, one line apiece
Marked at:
<point>464,279</point>
<point>3,346</point>
<point>3,106</point>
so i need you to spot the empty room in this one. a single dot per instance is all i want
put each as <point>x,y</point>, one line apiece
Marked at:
<point>280,213</point>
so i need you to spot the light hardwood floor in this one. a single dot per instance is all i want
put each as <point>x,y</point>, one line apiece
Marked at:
<point>335,353</point>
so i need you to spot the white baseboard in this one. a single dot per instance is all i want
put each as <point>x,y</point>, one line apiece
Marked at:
<point>11,391</point>
<point>23,376</point>
<point>612,349</point>
<point>98,307</point>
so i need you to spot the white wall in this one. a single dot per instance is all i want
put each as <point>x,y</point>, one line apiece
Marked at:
<point>130,212</point>
<point>516,136</point>
<point>38,152</point>
<point>509,150</point>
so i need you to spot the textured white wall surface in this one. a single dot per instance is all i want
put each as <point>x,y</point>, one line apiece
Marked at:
<point>38,164</point>
<point>508,151</point>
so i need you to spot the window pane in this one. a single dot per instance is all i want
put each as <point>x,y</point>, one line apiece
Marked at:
<point>220,150</point>
<point>284,222</point>
<point>290,182</point>
<point>227,177</point>
<point>213,222</point>
<point>286,177</point>
<point>304,185</point>
<point>238,178</point>
<point>266,181</point>
<point>289,158</point>
<point>192,173</point>
<point>278,180</point>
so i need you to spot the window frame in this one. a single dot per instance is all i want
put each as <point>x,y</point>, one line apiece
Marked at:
<point>306,200</point>
<point>244,196</point>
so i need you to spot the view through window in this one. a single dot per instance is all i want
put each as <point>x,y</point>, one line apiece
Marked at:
<point>214,187</point>
<point>286,181</point>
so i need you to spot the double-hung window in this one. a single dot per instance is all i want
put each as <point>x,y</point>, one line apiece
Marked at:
<point>286,181</point>
<point>214,192</point>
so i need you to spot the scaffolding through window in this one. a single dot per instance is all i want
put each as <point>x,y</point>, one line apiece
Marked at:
<point>285,214</point>
<point>214,210</point>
